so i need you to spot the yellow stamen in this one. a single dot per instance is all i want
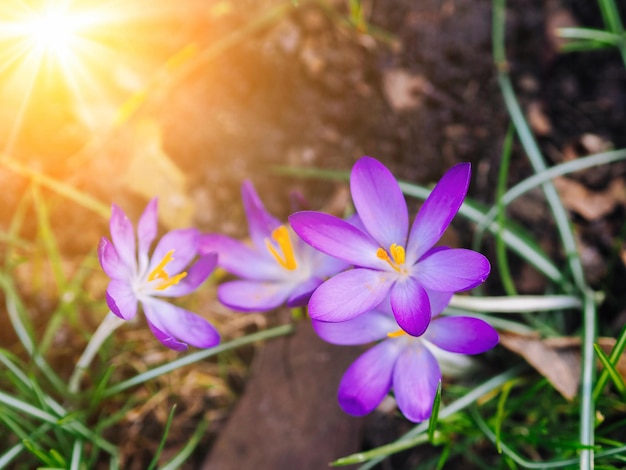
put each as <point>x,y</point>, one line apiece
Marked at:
<point>281,236</point>
<point>396,334</point>
<point>397,258</point>
<point>159,273</point>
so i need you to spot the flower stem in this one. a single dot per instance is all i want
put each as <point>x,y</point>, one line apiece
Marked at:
<point>110,323</point>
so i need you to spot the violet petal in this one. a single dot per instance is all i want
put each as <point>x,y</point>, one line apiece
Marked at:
<point>184,242</point>
<point>371,326</point>
<point>338,238</point>
<point>410,306</point>
<point>123,237</point>
<point>415,380</point>
<point>181,324</point>
<point>463,335</point>
<point>438,211</point>
<point>253,296</point>
<point>348,295</point>
<point>110,261</point>
<point>368,379</point>
<point>241,260</point>
<point>121,299</point>
<point>260,222</point>
<point>196,275</point>
<point>379,202</point>
<point>453,270</point>
<point>147,229</point>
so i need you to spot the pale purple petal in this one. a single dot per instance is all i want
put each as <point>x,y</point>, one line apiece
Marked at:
<point>196,275</point>
<point>438,301</point>
<point>338,238</point>
<point>241,260</point>
<point>463,335</point>
<point>415,380</point>
<point>260,222</point>
<point>349,294</point>
<point>438,211</point>
<point>121,299</point>
<point>146,232</point>
<point>452,270</point>
<point>253,296</point>
<point>368,379</point>
<point>179,324</point>
<point>166,339</point>
<point>371,326</point>
<point>321,264</point>
<point>184,242</point>
<point>110,261</point>
<point>123,237</point>
<point>379,202</point>
<point>410,306</point>
<point>301,292</point>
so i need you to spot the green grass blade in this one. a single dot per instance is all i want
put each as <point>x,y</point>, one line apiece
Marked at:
<point>432,422</point>
<point>616,353</point>
<point>166,431</point>
<point>186,451</point>
<point>198,356</point>
<point>610,368</point>
<point>501,255</point>
<point>458,405</point>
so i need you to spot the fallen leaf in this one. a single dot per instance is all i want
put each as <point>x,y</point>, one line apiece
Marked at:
<point>561,366</point>
<point>591,205</point>
<point>401,89</point>
<point>152,173</point>
<point>557,359</point>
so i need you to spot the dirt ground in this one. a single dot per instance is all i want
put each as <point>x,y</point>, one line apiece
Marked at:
<point>305,89</point>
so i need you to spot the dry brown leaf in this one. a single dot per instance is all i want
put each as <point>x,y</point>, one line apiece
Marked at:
<point>591,205</point>
<point>557,359</point>
<point>401,89</point>
<point>561,366</point>
<point>152,173</point>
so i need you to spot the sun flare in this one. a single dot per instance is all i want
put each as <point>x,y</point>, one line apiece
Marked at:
<point>52,31</point>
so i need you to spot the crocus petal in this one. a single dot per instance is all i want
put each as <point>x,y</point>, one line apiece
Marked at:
<point>253,296</point>
<point>121,299</point>
<point>371,326</point>
<point>463,335</point>
<point>123,237</point>
<point>184,242</point>
<point>415,380</point>
<point>368,379</point>
<point>110,261</point>
<point>379,202</point>
<point>180,324</point>
<point>301,293</point>
<point>241,260</point>
<point>438,211</point>
<point>167,340</point>
<point>338,238</point>
<point>410,306</point>
<point>438,301</point>
<point>452,270</point>
<point>196,275</point>
<point>349,294</point>
<point>146,232</point>
<point>260,222</point>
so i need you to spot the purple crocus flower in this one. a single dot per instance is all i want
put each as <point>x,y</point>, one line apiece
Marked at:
<point>278,268</point>
<point>137,277</point>
<point>402,362</point>
<point>390,260</point>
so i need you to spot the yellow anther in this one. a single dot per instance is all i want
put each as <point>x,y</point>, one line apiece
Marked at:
<point>281,237</point>
<point>397,258</point>
<point>159,273</point>
<point>396,334</point>
<point>397,253</point>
